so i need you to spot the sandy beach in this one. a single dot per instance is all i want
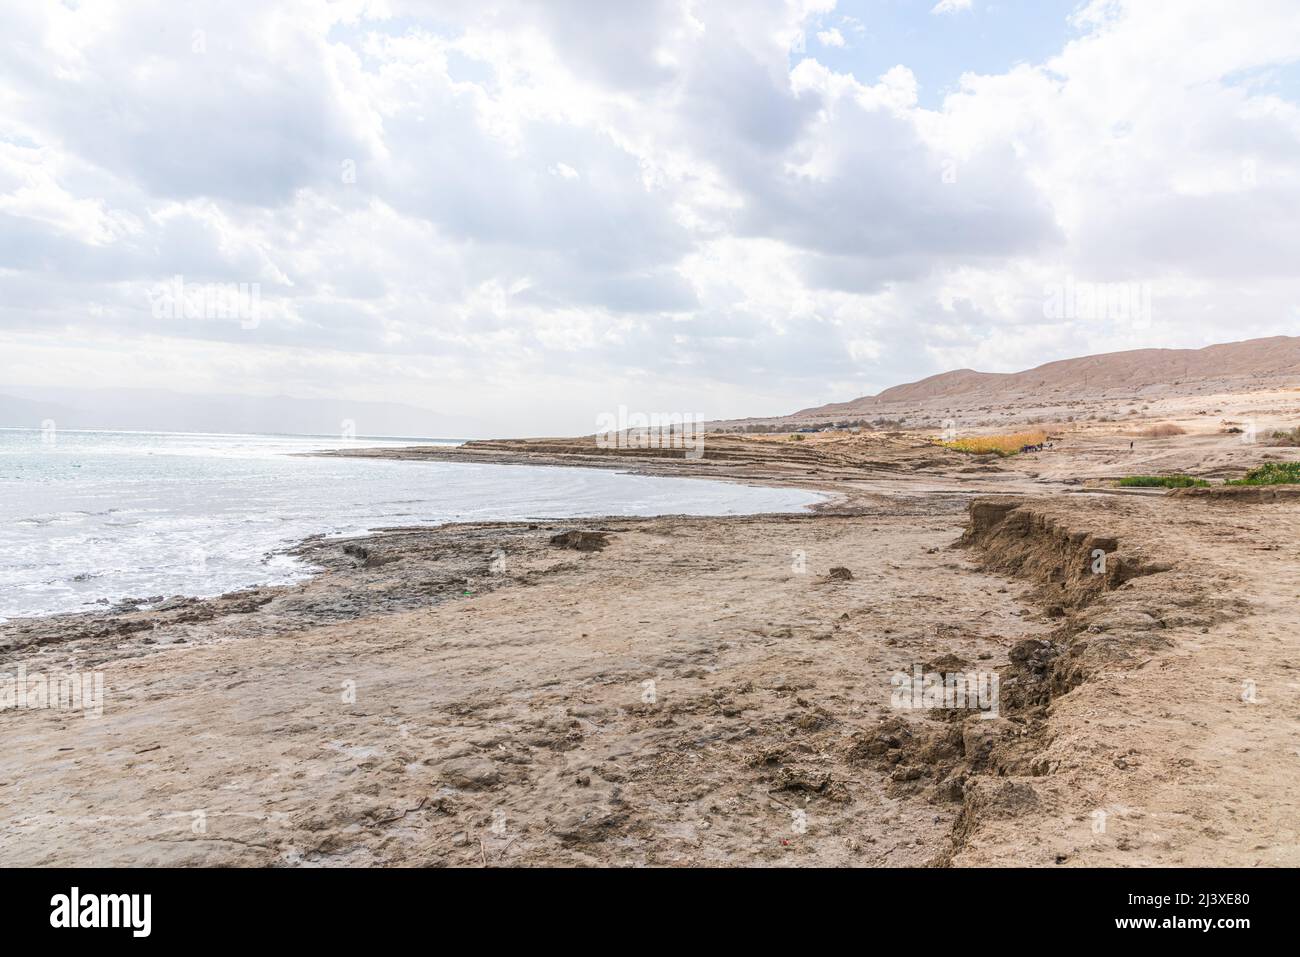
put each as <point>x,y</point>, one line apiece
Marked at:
<point>711,691</point>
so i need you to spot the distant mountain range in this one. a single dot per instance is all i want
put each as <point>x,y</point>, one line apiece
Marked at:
<point>156,410</point>
<point>1273,358</point>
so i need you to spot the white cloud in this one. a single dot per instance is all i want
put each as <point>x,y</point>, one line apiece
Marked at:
<point>950,6</point>
<point>830,38</point>
<point>499,207</point>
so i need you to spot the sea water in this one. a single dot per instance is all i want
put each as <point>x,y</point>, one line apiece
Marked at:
<point>91,518</point>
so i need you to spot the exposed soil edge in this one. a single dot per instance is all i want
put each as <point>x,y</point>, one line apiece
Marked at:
<point>1082,576</point>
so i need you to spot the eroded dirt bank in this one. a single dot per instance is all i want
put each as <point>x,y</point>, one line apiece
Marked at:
<point>699,691</point>
<point>1157,722</point>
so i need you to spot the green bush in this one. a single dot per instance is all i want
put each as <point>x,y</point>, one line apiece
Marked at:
<point>1271,473</point>
<point>1161,481</point>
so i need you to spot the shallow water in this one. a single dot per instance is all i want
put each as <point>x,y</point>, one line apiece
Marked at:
<point>89,517</point>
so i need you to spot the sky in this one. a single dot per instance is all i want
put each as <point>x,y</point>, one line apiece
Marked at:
<point>530,214</point>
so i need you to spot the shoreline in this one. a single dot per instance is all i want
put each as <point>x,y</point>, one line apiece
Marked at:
<point>294,547</point>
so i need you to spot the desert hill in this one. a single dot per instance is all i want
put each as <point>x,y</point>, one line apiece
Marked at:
<point>1266,360</point>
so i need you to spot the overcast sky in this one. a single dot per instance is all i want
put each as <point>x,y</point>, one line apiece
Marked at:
<point>542,211</point>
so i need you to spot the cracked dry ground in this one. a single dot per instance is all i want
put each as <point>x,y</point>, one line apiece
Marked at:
<point>509,727</point>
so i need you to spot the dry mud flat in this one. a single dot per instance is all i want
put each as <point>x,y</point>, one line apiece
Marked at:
<point>683,691</point>
<point>694,691</point>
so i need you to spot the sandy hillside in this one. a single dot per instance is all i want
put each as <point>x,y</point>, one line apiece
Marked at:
<point>1254,360</point>
<point>1229,377</point>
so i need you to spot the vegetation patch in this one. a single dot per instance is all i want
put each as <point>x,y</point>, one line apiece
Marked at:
<point>1002,445</point>
<point>1271,473</point>
<point>1161,481</point>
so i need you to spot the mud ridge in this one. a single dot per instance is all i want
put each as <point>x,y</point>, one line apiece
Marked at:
<point>1083,577</point>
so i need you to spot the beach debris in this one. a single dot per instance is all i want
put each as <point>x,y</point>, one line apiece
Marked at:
<point>470,774</point>
<point>367,556</point>
<point>580,540</point>
<point>839,574</point>
<point>591,826</point>
<point>885,741</point>
<point>945,664</point>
